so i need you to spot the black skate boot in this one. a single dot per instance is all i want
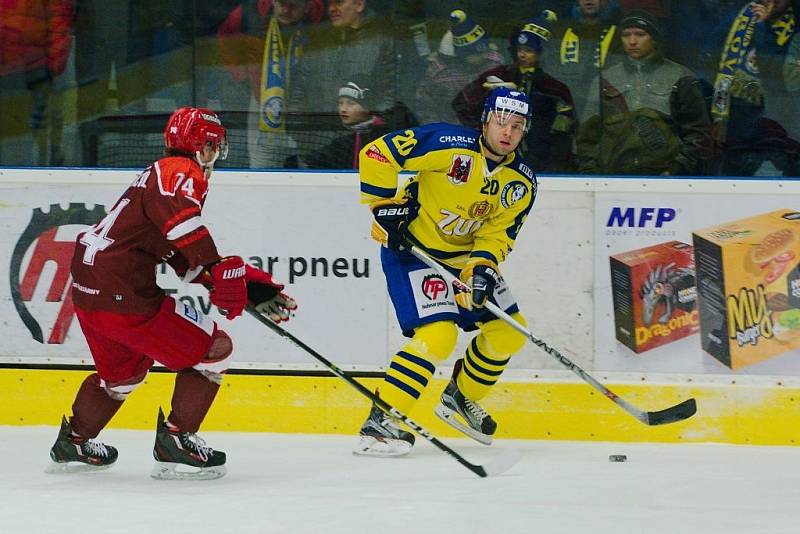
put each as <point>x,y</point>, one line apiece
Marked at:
<point>184,455</point>
<point>381,436</point>
<point>73,454</point>
<point>465,415</point>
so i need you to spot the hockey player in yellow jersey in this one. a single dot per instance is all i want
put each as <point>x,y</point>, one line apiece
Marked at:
<point>465,207</point>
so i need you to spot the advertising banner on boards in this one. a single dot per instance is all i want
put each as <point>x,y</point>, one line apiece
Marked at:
<point>305,238</point>
<point>688,284</point>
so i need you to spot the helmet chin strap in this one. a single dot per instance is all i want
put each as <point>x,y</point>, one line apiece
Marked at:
<point>486,145</point>
<point>208,164</point>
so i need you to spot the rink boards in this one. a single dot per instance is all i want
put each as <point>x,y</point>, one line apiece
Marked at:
<point>309,229</point>
<point>539,409</point>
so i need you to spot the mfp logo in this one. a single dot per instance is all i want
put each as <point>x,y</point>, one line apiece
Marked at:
<point>41,236</point>
<point>434,286</point>
<point>640,217</point>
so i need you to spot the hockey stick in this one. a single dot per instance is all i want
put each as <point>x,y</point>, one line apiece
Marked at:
<point>679,412</point>
<point>500,464</point>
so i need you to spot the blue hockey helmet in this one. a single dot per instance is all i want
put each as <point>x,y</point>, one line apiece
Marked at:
<point>504,102</point>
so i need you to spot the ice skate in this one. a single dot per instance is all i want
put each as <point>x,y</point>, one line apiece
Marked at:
<point>71,454</point>
<point>381,436</point>
<point>465,415</point>
<point>184,455</point>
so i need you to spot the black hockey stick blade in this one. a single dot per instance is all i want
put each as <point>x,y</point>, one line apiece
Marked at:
<point>673,414</point>
<point>498,465</point>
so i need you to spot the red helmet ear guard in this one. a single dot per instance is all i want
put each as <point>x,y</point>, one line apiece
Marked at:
<point>189,129</point>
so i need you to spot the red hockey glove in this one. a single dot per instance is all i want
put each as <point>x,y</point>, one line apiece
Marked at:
<point>229,292</point>
<point>482,276</point>
<point>266,296</point>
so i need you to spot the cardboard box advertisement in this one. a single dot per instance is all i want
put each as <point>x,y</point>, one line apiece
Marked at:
<point>654,295</point>
<point>749,283</point>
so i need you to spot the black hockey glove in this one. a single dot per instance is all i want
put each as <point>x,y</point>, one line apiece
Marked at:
<point>392,216</point>
<point>482,276</point>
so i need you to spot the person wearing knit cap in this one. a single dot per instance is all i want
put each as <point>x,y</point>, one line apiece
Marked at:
<point>642,20</point>
<point>469,37</point>
<point>453,66</point>
<point>361,124</point>
<point>548,144</point>
<point>536,32</point>
<point>651,118</point>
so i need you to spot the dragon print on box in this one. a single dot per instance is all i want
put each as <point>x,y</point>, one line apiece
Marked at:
<point>655,295</point>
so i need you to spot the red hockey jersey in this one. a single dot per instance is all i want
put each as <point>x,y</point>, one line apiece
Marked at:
<point>156,220</point>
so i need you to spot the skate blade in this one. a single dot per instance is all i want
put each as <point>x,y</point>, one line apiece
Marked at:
<point>452,418</point>
<point>59,468</point>
<point>372,446</point>
<point>175,471</point>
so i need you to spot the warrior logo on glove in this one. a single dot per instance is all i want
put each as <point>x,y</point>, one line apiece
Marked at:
<point>236,284</point>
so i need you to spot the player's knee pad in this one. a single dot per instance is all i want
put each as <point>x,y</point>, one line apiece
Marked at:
<point>218,359</point>
<point>119,391</point>
<point>498,338</point>
<point>435,341</point>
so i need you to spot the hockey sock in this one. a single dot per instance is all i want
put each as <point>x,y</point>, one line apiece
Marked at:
<point>412,367</point>
<point>93,408</point>
<point>191,399</point>
<point>487,355</point>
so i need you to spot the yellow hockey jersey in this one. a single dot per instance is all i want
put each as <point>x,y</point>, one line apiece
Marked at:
<point>469,206</point>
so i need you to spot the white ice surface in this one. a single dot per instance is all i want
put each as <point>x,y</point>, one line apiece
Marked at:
<point>313,484</point>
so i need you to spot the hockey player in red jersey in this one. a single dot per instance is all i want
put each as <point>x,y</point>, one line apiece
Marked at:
<point>129,322</point>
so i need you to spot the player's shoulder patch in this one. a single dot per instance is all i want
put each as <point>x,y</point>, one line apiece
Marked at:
<point>523,167</point>
<point>177,175</point>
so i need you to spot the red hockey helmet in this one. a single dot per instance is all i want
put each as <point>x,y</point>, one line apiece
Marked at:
<point>189,129</point>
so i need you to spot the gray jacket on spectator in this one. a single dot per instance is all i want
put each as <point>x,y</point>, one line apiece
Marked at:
<point>653,120</point>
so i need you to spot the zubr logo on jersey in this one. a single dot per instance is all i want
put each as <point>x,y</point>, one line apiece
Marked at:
<point>434,286</point>
<point>41,234</point>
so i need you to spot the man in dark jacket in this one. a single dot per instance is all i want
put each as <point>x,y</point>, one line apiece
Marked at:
<point>651,117</point>
<point>548,143</point>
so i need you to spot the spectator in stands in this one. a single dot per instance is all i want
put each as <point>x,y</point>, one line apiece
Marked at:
<point>450,70</point>
<point>262,42</point>
<point>652,118</point>
<point>751,107</point>
<point>549,142</point>
<point>35,40</point>
<point>580,46</point>
<point>791,66</point>
<point>360,125</point>
<point>356,42</point>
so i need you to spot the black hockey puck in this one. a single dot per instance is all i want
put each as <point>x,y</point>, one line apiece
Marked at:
<point>617,458</point>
